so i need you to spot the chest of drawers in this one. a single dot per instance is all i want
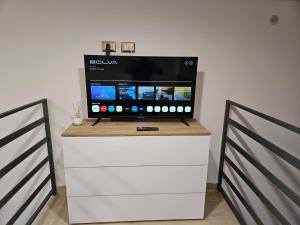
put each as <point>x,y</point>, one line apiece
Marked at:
<point>126,175</point>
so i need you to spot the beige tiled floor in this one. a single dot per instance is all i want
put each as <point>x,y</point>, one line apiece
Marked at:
<point>217,212</point>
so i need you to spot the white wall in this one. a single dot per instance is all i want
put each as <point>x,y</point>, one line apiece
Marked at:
<point>241,55</point>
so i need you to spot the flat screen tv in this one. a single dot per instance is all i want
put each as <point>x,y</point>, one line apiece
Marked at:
<point>140,86</point>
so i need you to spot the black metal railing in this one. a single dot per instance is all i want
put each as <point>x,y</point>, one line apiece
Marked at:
<point>11,165</point>
<point>292,160</point>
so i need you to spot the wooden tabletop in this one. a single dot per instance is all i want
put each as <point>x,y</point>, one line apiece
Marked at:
<point>170,127</point>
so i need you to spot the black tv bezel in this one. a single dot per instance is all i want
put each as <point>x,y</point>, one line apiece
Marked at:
<point>140,115</point>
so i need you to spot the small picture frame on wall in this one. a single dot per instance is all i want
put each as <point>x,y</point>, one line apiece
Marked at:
<point>128,47</point>
<point>113,45</point>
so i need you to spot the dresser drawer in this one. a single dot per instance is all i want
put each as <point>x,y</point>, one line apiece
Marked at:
<point>136,207</point>
<point>135,180</point>
<point>135,151</point>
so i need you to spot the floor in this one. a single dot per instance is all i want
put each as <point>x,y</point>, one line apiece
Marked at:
<point>217,212</point>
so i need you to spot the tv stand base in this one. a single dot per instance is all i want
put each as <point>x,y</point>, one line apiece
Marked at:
<point>184,121</point>
<point>97,121</point>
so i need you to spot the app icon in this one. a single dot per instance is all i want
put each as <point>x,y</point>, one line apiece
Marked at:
<point>187,109</point>
<point>103,108</point>
<point>95,108</point>
<point>149,108</point>
<point>142,109</point>
<point>157,109</point>
<point>165,108</point>
<point>111,108</point>
<point>127,109</point>
<point>172,109</point>
<point>119,108</point>
<point>179,109</point>
<point>134,108</point>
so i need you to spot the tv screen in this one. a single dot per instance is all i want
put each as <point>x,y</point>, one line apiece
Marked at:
<point>140,86</point>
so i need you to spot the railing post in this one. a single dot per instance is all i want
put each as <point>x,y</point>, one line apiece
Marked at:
<point>223,144</point>
<point>49,145</point>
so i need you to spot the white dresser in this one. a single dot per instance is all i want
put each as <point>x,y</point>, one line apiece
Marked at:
<point>114,173</point>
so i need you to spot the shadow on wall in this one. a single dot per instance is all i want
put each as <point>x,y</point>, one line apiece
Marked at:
<point>82,86</point>
<point>278,161</point>
<point>25,121</point>
<point>59,119</point>
<point>198,103</point>
<point>12,125</point>
<point>198,93</point>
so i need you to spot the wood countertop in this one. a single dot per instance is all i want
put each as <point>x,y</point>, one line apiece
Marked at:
<point>106,128</point>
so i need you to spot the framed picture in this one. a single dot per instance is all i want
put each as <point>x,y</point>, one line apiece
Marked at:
<point>128,47</point>
<point>113,45</point>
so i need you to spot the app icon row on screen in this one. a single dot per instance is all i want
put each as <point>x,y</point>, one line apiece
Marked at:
<point>167,93</point>
<point>134,109</point>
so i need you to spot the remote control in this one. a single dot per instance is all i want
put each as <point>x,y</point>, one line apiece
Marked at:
<point>147,129</point>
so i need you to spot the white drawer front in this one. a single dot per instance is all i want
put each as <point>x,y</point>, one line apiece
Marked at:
<point>135,180</point>
<point>129,151</point>
<point>136,207</point>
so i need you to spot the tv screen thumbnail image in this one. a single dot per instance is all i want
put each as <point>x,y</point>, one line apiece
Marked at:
<point>164,93</point>
<point>182,93</point>
<point>99,92</point>
<point>127,92</point>
<point>146,93</point>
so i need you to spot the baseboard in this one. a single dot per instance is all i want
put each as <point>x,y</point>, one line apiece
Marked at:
<point>211,187</point>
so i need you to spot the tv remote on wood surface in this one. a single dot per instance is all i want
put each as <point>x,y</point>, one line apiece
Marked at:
<point>147,129</point>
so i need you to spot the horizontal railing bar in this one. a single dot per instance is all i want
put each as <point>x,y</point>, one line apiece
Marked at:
<point>38,210</point>
<point>267,117</point>
<point>20,132</point>
<point>233,208</point>
<point>259,194</point>
<point>278,183</point>
<point>13,191</point>
<point>269,145</point>
<point>18,109</point>
<point>243,201</point>
<point>28,201</point>
<point>22,157</point>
